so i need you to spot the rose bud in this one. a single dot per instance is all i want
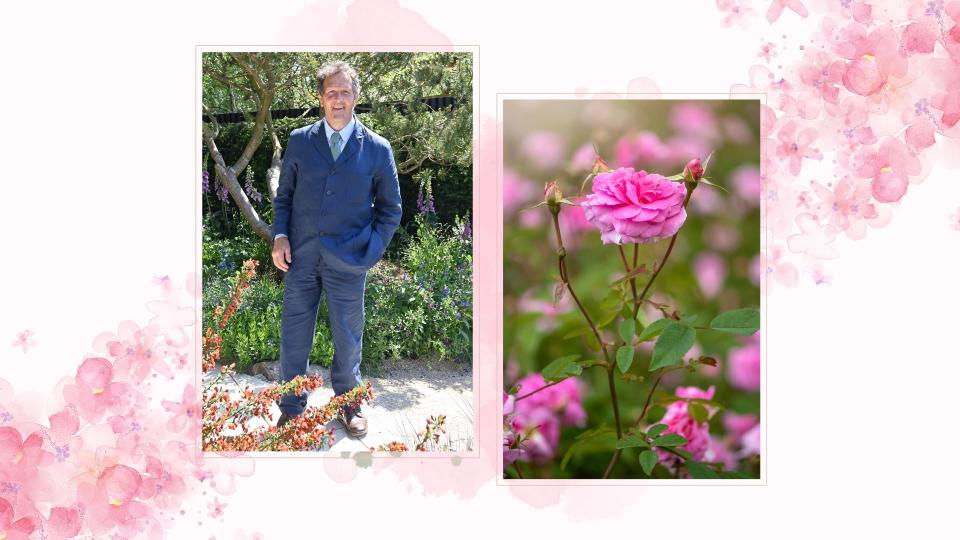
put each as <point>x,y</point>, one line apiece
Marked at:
<point>693,171</point>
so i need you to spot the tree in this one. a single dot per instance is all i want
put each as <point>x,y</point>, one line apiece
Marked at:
<point>394,86</point>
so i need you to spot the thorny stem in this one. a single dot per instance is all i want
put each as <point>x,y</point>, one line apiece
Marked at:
<point>673,240</point>
<point>561,261</point>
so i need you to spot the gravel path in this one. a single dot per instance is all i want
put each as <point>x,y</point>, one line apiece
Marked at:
<point>406,393</point>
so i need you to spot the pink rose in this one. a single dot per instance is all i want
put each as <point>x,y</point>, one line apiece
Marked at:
<point>679,421</point>
<point>743,366</point>
<point>634,207</point>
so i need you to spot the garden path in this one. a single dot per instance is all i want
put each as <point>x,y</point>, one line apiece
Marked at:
<point>406,393</point>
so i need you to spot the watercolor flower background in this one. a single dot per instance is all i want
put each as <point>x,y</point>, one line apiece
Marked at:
<point>857,110</point>
<point>564,430</point>
<point>119,456</point>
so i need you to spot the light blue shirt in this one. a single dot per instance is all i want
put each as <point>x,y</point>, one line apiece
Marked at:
<point>345,134</point>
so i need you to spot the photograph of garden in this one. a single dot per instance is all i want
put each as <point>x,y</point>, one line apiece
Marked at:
<point>418,299</point>
<point>631,283</point>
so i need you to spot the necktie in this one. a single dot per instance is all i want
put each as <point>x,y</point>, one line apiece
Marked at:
<point>335,145</point>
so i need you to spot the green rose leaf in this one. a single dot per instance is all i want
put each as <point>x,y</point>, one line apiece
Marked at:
<point>631,441</point>
<point>561,368</point>
<point>653,329</point>
<point>744,321</point>
<point>700,470</point>
<point>698,412</point>
<point>670,439</point>
<point>673,343</point>
<point>657,429</point>
<point>648,460</point>
<point>627,329</point>
<point>624,357</point>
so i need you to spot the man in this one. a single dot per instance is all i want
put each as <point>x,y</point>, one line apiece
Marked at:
<point>337,207</point>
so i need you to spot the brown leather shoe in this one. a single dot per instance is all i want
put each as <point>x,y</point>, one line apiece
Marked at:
<point>354,422</point>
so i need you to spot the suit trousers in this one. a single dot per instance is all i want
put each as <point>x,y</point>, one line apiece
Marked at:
<point>303,287</point>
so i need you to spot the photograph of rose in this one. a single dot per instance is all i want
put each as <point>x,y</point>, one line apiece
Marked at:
<point>631,287</point>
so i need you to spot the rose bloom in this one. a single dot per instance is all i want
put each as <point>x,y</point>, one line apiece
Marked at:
<point>634,207</point>
<point>537,419</point>
<point>679,421</point>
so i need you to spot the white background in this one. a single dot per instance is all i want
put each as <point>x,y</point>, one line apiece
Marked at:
<point>99,176</point>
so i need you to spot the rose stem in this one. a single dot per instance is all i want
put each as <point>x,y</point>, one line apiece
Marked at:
<point>673,240</point>
<point>628,268</point>
<point>516,467</point>
<point>544,387</point>
<point>561,261</point>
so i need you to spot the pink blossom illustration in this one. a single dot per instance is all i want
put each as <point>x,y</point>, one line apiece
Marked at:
<point>777,6</point>
<point>25,340</point>
<point>796,145</point>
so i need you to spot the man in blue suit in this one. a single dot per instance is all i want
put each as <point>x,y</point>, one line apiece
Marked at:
<point>337,207</point>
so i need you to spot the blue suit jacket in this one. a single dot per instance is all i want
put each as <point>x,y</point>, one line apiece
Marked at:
<point>345,210</point>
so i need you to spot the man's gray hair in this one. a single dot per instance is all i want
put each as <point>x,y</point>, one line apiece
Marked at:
<point>338,66</point>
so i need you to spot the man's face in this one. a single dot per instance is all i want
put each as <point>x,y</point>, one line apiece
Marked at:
<point>337,100</point>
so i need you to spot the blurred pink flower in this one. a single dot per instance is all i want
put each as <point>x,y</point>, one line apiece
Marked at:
<point>544,148</point>
<point>889,167</point>
<point>795,146</point>
<point>721,236</point>
<point>737,130</point>
<point>694,118</point>
<point>679,421</point>
<point>25,340</point>
<point>635,207</point>
<point>95,390</point>
<point>738,424</point>
<point>750,442</point>
<point>584,157</point>
<point>537,419</point>
<point>743,366</point>
<point>710,271</point>
<point>563,398</point>
<point>517,191</point>
<point>747,183</point>
<point>644,148</point>
<point>162,485</point>
<point>717,452</point>
<point>548,310</point>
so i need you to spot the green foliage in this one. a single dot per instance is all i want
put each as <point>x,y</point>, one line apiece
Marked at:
<point>625,357</point>
<point>744,321</point>
<point>561,368</point>
<point>425,312</point>
<point>425,309</point>
<point>674,342</point>
<point>253,334</point>
<point>648,460</point>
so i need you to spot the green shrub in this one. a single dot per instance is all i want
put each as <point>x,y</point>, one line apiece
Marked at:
<point>254,331</point>
<point>422,309</point>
